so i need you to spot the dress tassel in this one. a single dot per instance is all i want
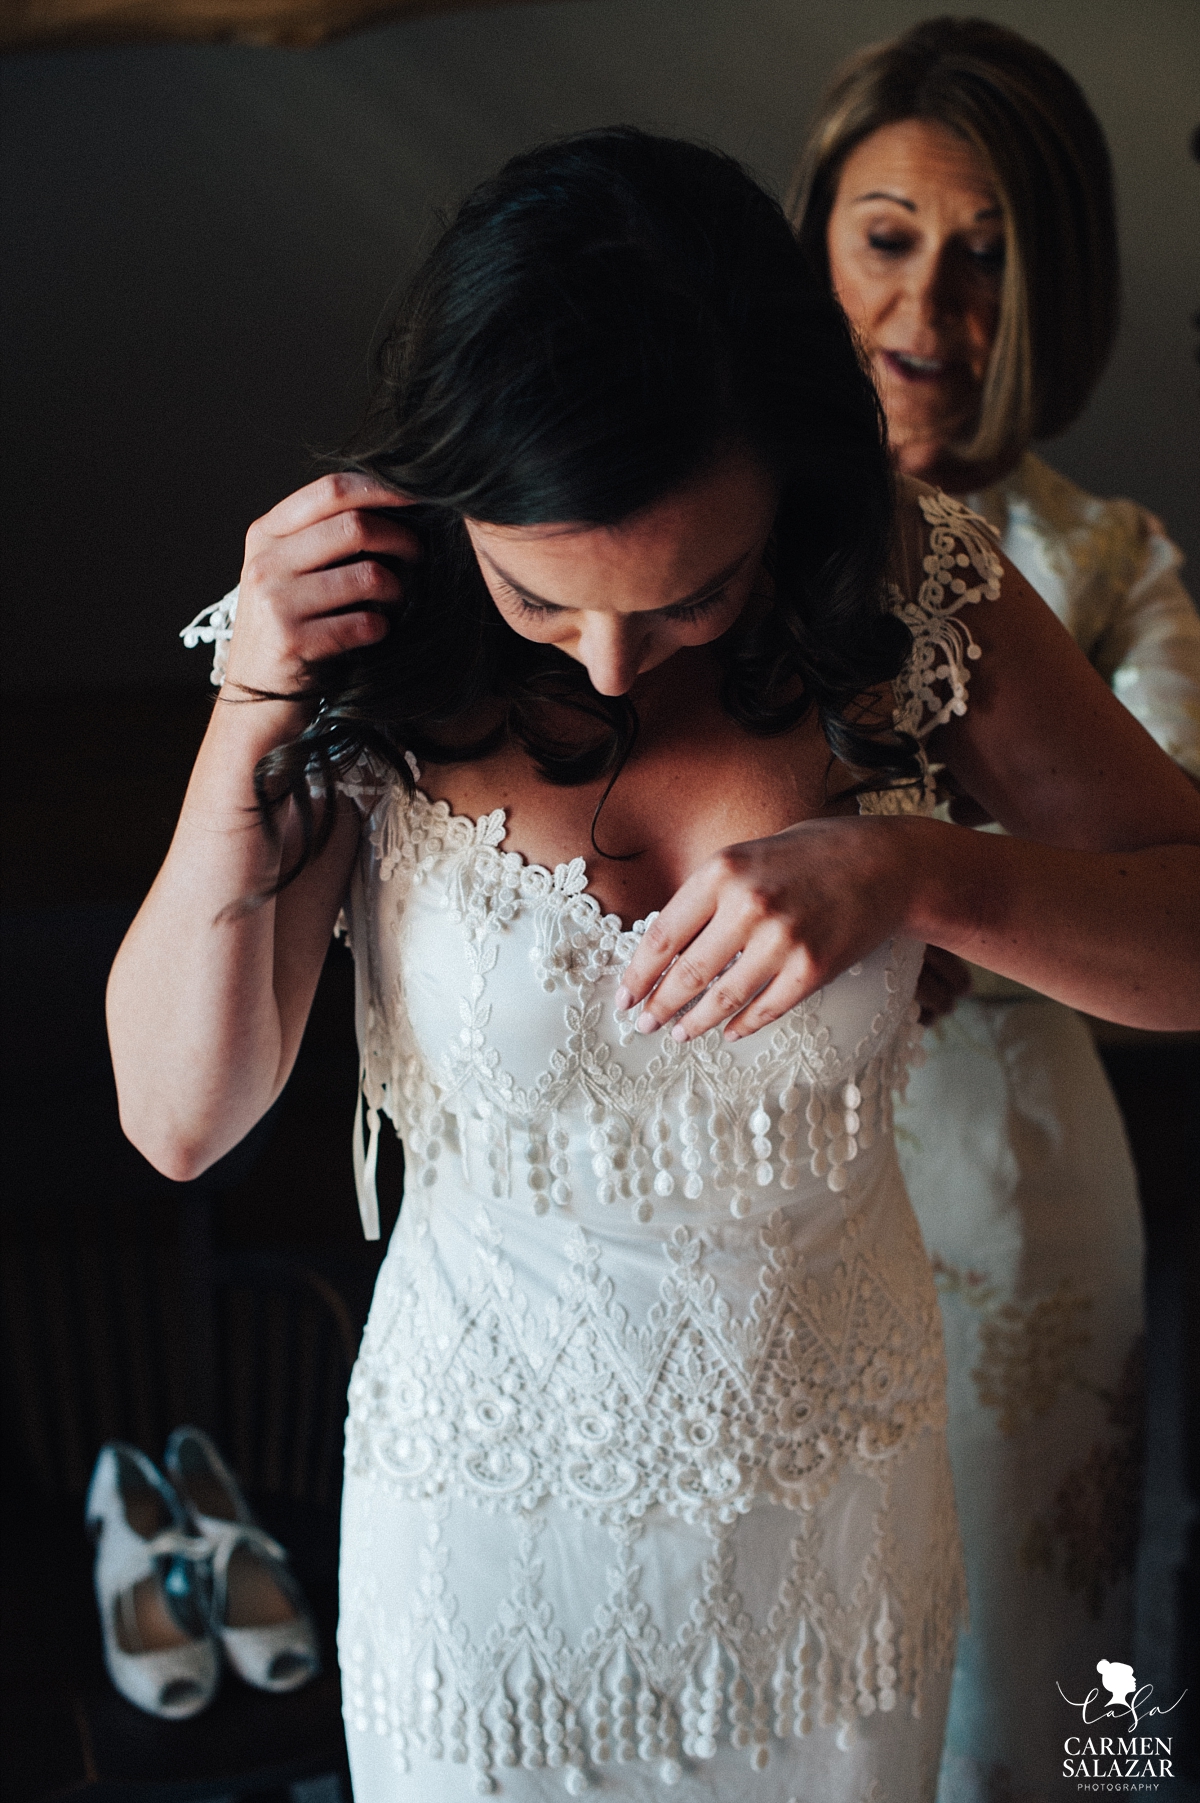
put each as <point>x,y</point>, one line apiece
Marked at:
<point>364,1168</point>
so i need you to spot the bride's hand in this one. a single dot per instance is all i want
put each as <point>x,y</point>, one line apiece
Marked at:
<point>312,585</point>
<point>794,911</point>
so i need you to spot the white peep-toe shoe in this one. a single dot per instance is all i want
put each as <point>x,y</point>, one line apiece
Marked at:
<point>258,1610</point>
<point>150,1577</point>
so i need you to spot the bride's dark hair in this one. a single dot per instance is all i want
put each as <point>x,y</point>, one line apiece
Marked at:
<point>601,320</point>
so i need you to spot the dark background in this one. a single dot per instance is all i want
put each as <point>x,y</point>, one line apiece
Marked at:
<point>200,245</point>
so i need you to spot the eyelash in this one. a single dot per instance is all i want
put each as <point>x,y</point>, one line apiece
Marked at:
<point>691,611</point>
<point>687,612</point>
<point>989,261</point>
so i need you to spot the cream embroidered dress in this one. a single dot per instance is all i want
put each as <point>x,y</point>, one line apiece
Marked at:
<point>646,1478</point>
<point>1016,1160</point>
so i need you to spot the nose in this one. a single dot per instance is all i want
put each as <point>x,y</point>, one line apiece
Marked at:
<point>610,648</point>
<point>934,288</point>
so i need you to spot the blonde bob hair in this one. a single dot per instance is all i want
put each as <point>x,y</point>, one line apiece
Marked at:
<point>1047,155</point>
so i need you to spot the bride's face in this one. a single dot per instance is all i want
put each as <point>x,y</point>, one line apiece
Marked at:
<point>622,599</point>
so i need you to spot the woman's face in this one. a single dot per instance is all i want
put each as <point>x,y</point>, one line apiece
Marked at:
<point>622,599</point>
<point>916,254</point>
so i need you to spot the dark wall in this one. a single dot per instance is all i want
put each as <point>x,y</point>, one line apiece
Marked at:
<point>200,244</point>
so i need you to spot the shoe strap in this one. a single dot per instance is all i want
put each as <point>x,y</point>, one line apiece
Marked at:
<point>177,1543</point>
<point>138,1557</point>
<point>222,1539</point>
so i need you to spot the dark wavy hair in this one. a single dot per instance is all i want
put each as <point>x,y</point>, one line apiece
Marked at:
<point>602,320</point>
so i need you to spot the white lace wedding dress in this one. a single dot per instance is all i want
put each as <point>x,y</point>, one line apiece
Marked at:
<point>646,1478</point>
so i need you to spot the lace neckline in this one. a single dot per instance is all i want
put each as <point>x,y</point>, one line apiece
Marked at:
<point>570,877</point>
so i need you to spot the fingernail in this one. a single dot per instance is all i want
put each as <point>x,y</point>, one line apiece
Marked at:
<point>646,1023</point>
<point>622,1000</point>
<point>731,1034</point>
<point>680,1033</point>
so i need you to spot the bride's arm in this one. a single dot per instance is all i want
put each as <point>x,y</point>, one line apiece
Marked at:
<point>208,997</point>
<point>1094,901</point>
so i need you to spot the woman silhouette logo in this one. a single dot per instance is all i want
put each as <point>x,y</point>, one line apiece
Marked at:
<point>1119,1680</point>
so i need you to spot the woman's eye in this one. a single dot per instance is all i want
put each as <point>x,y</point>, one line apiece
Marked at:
<point>528,610</point>
<point>688,611</point>
<point>891,246</point>
<point>990,258</point>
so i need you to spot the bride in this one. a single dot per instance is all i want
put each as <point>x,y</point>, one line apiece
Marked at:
<point>598,699</point>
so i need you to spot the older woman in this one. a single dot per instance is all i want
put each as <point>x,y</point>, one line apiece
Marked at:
<point>956,188</point>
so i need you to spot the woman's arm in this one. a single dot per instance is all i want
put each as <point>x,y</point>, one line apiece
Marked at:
<point>211,989</point>
<point>1150,652</point>
<point>1094,901</point>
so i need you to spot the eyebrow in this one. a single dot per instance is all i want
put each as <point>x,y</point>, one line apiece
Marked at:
<point>697,594</point>
<point>911,205</point>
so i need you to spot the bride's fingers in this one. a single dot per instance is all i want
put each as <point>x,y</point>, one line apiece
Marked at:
<point>710,967</point>
<point>786,991</point>
<point>671,935</point>
<point>365,584</point>
<point>335,633</point>
<point>728,994</point>
<point>354,532</point>
<point>323,498</point>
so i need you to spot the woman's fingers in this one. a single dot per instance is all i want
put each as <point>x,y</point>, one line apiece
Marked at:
<point>732,989</point>
<point>346,586</point>
<point>688,950</point>
<point>356,532</point>
<point>785,991</point>
<point>322,499</point>
<point>335,633</point>
<point>668,935</point>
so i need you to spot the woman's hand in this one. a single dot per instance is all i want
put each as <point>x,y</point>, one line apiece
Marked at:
<point>762,925</point>
<point>312,584</point>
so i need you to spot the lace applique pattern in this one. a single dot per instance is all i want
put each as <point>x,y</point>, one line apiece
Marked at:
<point>524,1695</point>
<point>694,1409</point>
<point>694,1117</point>
<point>942,644</point>
<point>470,1394</point>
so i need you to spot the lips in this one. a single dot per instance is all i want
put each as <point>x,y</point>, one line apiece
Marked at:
<point>917,369</point>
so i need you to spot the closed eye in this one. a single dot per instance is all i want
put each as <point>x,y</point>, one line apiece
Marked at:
<point>686,611</point>
<point>890,246</point>
<point>529,610</point>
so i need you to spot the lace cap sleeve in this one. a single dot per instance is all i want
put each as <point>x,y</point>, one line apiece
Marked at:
<point>953,565</point>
